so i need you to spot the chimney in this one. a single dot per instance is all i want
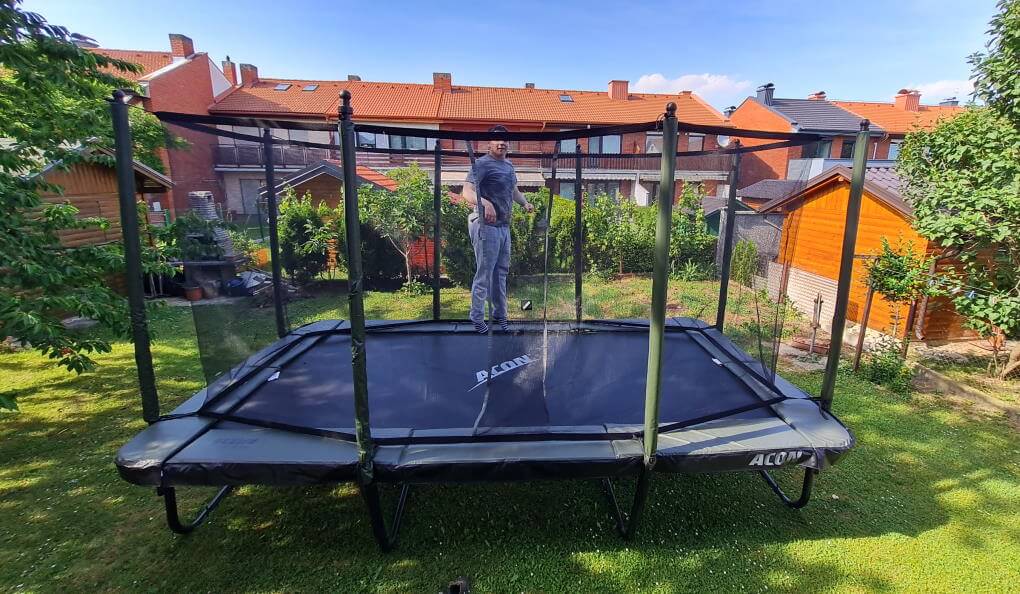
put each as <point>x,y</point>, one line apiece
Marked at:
<point>765,93</point>
<point>230,71</point>
<point>529,85</point>
<point>949,102</point>
<point>907,100</point>
<point>249,75</point>
<point>354,77</point>
<point>618,90</point>
<point>442,81</point>
<point>181,46</point>
<point>817,96</point>
<point>729,111</point>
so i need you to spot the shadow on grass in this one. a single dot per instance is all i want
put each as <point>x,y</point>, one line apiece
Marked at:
<point>920,472</point>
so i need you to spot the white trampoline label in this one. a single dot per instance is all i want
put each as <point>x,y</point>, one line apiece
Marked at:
<point>775,458</point>
<point>482,375</point>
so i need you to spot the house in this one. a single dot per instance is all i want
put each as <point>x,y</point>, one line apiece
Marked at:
<point>838,122</point>
<point>809,255</point>
<point>91,187</point>
<point>815,115</point>
<point>183,80</point>
<point>180,80</point>
<point>714,206</point>
<point>443,105</point>
<point>905,114</point>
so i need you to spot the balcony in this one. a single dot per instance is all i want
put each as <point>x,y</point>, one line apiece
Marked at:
<point>296,157</point>
<point>805,169</point>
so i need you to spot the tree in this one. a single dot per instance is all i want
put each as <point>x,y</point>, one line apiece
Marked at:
<point>963,180</point>
<point>52,105</point>
<point>402,216</point>
<point>901,275</point>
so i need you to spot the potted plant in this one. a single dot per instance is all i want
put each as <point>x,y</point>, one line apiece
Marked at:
<point>193,292</point>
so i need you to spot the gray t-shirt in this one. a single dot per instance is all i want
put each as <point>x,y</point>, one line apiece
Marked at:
<point>495,180</point>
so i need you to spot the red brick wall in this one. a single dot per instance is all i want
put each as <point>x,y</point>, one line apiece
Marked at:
<point>188,89</point>
<point>772,164</point>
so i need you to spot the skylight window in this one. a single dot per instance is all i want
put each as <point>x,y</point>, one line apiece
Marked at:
<point>310,87</point>
<point>282,87</point>
<point>566,99</point>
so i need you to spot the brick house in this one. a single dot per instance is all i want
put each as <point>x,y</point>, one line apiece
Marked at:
<point>443,105</point>
<point>186,81</point>
<point>838,122</point>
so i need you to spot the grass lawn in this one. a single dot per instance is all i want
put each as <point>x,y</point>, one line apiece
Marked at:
<point>928,501</point>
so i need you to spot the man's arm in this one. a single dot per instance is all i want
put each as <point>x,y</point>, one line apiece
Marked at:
<point>520,199</point>
<point>472,199</point>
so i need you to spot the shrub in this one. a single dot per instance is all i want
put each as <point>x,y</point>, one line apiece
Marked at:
<point>300,224</point>
<point>885,366</point>
<point>744,262</point>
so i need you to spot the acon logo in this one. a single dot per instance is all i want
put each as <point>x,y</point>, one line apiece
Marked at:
<point>500,368</point>
<point>775,458</point>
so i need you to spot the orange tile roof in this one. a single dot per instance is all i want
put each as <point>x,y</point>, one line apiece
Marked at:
<point>406,101</point>
<point>900,121</point>
<point>149,61</point>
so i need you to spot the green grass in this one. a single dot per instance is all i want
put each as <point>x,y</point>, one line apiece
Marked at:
<point>928,501</point>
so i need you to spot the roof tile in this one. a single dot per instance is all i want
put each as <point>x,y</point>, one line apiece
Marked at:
<point>149,61</point>
<point>900,121</point>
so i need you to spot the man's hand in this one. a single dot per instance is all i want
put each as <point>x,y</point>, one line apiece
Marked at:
<point>528,207</point>
<point>490,211</point>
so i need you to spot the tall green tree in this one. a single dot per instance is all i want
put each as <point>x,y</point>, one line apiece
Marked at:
<point>963,180</point>
<point>403,216</point>
<point>52,104</point>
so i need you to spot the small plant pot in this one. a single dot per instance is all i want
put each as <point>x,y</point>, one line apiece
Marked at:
<point>193,293</point>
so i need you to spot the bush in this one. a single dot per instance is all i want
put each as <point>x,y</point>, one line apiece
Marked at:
<point>458,255</point>
<point>886,367</point>
<point>744,262</point>
<point>300,227</point>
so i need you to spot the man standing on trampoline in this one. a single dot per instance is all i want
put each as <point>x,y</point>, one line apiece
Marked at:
<point>493,181</point>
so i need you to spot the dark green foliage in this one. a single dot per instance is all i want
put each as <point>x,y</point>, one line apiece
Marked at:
<point>458,255</point>
<point>52,106</point>
<point>997,72</point>
<point>300,224</point>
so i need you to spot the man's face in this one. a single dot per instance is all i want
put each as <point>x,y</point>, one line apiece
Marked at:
<point>499,148</point>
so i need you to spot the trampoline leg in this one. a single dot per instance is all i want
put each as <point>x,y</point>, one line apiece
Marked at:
<point>387,539</point>
<point>627,525</point>
<point>805,491</point>
<point>173,518</point>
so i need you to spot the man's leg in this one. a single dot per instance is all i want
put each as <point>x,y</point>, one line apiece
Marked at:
<point>499,308</point>
<point>485,258</point>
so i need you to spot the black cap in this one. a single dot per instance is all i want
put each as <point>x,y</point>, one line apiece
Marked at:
<point>498,128</point>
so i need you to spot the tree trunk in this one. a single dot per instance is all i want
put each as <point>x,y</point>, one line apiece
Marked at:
<point>1012,367</point>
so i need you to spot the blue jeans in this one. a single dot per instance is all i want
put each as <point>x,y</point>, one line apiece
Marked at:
<point>492,263</point>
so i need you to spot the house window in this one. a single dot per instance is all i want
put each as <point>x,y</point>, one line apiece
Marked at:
<point>847,150</point>
<point>366,139</point>
<point>310,87</point>
<point>819,149</point>
<point>605,145</point>
<point>568,146</point>
<point>653,193</point>
<point>566,99</point>
<point>599,188</point>
<point>567,189</point>
<point>407,142</point>
<point>894,150</point>
<point>281,87</point>
<point>695,142</point>
<point>653,142</point>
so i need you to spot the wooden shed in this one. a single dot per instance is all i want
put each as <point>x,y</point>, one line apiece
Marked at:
<point>91,187</point>
<point>808,263</point>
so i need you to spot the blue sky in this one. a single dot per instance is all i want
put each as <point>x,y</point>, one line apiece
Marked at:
<point>719,49</point>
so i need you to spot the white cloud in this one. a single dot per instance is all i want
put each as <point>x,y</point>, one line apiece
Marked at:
<point>934,92</point>
<point>717,89</point>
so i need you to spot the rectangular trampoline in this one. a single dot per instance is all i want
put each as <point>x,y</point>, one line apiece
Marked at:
<point>448,405</point>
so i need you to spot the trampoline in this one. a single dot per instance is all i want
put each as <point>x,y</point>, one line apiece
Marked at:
<point>433,401</point>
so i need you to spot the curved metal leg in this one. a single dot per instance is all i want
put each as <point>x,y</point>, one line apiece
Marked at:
<point>173,518</point>
<point>626,524</point>
<point>805,490</point>
<point>387,538</point>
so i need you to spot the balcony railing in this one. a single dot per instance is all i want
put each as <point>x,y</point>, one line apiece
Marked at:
<point>299,157</point>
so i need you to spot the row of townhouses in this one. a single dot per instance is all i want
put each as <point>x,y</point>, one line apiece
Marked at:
<point>188,81</point>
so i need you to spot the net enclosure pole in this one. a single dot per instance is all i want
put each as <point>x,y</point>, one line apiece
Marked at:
<point>274,232</point>
<point>660,283</point>
<point>437,211</point>
<point>731,223</point>
<point>846,264</point>
<point>133,255</point>
<point>352,223</point>
<point>578,234</point>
